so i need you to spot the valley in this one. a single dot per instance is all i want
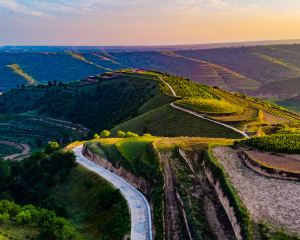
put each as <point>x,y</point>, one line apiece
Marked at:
<point>171,139</point>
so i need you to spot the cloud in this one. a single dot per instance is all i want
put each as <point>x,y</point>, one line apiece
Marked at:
<point>17,7</point>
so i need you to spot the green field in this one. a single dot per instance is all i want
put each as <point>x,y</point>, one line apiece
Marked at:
<point>167,121</point>
<point>280,143</point>
<point>210,106</point>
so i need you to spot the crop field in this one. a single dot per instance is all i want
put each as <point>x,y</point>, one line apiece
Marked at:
<point>242,60</point>
<point>167,121</point>
<point>210,106</point>
<point>186,88</point>
<point>280,143</point>
<point>253,103</point>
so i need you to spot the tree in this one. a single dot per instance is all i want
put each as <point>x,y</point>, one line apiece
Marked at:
<point>131,134</point>
<point>105,134</point>
<point>121,134</point>
<point>96,136</point>
<point>52,147</point>
<point>23,217</point>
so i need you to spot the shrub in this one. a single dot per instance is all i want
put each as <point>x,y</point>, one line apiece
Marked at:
<point>147,135</point>
<point>96,136</point>
<point>52,147</point>
<point>121,134</point>
<point>105,134</point>
<point>23,217</point>
<point>131,134</point>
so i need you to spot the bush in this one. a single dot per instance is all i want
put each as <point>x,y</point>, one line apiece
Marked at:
<point>96,136</point>
<point>121,134</point>
<point>105,134</point>
<point>147,135</point>
<point>52,147</point>
<point>131,134</point>
<point>50,226</point>
<point>23,217</point>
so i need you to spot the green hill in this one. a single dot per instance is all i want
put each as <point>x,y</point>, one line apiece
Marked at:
<point>131,100</point>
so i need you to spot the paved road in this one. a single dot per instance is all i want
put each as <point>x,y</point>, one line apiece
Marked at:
<point>141,225</point>
<point>199,115</point>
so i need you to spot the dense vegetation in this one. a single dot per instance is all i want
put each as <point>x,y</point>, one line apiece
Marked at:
<point>84,102</point>
<point>185,88</point>
<point>280,143</point>
<point>53,180</point>
<point>50,226</point>
<point>210,106</point>
<point>139,156</point>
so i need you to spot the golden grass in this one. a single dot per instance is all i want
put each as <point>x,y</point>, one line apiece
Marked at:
<point>18,70</point>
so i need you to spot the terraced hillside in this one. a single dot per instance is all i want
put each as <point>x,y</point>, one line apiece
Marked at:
<point>191,195</point>
<point>258,70</point>
<point>132,100</point>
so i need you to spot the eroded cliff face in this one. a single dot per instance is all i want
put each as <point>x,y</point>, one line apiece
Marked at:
<point>190,193</point>
<point>135,181</point>
<point>225,204</point>
<point>219,215</point>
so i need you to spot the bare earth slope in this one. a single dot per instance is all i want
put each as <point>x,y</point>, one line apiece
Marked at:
<point>273,200</point>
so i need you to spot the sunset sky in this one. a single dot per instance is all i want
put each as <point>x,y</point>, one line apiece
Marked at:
<point>146,22</point>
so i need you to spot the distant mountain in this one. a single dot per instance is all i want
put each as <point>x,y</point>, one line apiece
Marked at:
<point>142,48</point>
<point>251,69</point>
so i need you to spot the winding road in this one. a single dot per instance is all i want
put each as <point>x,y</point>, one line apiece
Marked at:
<point>141,223</point>
<point>199,115</point>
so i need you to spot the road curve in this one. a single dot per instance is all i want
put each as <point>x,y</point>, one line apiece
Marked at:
<point>199,115</point>
<point>141,224</point>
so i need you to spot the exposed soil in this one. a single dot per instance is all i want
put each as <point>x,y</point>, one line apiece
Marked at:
<point>172,218</point>
<point>273,119</point>
<point>212,209</point>
<point>273,200</point>
<point>286,163</point>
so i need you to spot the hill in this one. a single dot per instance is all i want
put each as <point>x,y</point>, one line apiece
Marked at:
<point>250,69</point>
<point>54,181</point>
<point>184,180</point>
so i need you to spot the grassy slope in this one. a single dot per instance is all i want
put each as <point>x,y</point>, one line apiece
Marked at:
<point>167,121</point>
<point>82,196</point>
<point>10,230</point>
<point>82,102</point>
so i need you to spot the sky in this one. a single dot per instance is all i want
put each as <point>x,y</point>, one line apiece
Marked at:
<point>146,22</point>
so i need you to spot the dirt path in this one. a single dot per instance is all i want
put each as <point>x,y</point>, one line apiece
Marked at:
<point>267,199</point>
<point>23,147</point>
